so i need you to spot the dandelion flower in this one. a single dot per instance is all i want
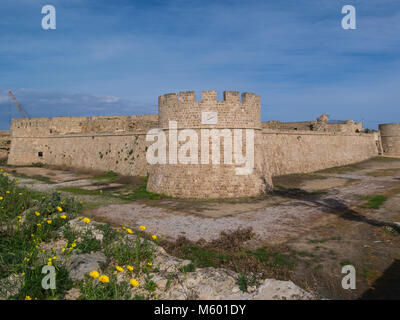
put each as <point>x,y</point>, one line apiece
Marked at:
<point>37,213</point>
<point>120,269</point>
<point>63,216</point>
<point>1,198</point>
<point>149,264</point>
<point>142,228</point>
<point>49,221</point>
<point>86,220</point>
<point>94,274</point>
<point>134,282</point>
<point>104,279</point>
<point>59,209</point>
<point>39,224</point>
<point>7,191</point>
<point>130,268</point>
<point>154,237</point>
<point>28,298</point>
<point>20,194</point>
<point>129,231</point>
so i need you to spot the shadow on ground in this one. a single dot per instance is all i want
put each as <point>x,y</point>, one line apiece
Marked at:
<point>333,206</point>
<point>387,287</point>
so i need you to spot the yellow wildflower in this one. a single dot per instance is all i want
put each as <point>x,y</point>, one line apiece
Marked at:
<point>104,279</point>
<point>154,237</point>
<point>63,216</point>
<point>59,209</point>
<point>86,220</point>
<point>142,228</point>
<point>49,221</point>
<point>149,264</point>
<point>120,269</point>
<point>1,198</point>
<point>20,194</point>
<point>130,268</point>
<point>129,231</point>
<point>28,298</point>
<point>94,274</point>
<point>134,282</point>
<point>37,213</point>
<point>39,224</point>
<point>7,191</point>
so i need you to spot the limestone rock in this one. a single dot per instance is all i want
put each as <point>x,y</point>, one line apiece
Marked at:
<point>72,294</point>
<point>273,289</point>
<point>10,286</point>
<point>81,264</point>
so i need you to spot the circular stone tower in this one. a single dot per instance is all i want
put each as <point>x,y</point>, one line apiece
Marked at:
<point>390,136</point>
<point>210,146</point>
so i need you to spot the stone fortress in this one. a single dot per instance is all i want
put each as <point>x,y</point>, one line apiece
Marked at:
<point>119,143</point>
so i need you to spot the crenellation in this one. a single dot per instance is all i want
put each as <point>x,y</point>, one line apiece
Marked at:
<point>187,97</point>
<point>231,96</point>
<point>209,96</point>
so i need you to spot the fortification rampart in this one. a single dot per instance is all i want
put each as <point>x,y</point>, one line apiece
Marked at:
<point>390,135</point>
<point>99,143</point>
<point>5,142</point>
<point>121,143</point>
<point>288,152</point>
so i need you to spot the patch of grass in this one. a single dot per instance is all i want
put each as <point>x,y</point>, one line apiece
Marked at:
<point>188,268</point>
<point>203,257</point>
<point>272,258</point>
<point>228,252</point>
<point>374,202</point>
<point>109,176</point>
<point>244,281</point>
<point>383,172</point>
<point>89,243</point>
<point>344,169</point>
<point>295,180</point>
<point>370,274</point>
<point>95,290</point>
<point>32,285</point>
<point>345,263</point>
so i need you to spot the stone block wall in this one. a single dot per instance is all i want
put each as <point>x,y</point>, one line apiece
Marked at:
<point>390,135</point>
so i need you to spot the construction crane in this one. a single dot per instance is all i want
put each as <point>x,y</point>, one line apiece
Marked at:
<point>17,104</point>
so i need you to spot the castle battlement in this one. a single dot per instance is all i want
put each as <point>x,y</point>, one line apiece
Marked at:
<point>234,111</point>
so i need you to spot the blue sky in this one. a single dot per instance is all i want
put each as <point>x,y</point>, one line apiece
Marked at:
<point>116,57</point>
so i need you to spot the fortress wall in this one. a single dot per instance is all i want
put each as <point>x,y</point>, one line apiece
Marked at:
<point>5,140</point>
<point>302,152</point>
<point>42,127</point>
<point>390,135</point>
<point>125,154</point>
<point>100,143</point>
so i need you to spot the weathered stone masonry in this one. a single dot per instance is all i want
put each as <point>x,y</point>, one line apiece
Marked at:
<point>119,143</point>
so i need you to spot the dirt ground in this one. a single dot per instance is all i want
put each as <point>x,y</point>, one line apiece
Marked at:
<point>324,217</point>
